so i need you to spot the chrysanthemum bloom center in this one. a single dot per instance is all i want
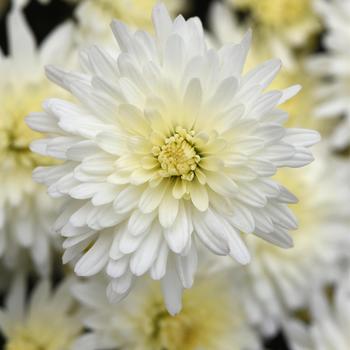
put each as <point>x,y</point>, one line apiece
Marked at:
<point>178,156</point>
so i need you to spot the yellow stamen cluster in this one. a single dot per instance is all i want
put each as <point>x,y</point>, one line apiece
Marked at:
<point>178,156</point>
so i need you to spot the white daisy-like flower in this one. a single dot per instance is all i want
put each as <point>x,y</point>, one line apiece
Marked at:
<point>94,17</point>
<point>277,280</point>
<point>48,320</point>
<point>142,322</point>
<point>330,322</point>
<point>170,146</point>
<point>26,212</point>
<point>333,65</point>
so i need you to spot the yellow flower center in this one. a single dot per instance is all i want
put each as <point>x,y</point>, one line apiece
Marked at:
<point>178,156</point>
<point>39,338</point>
<point>15,135</point>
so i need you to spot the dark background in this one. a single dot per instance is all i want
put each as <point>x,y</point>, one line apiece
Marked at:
<point>44,18</point>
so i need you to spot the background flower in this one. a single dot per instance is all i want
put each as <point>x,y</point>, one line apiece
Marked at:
<point>330,322</point>
<point>26,212</point>
<point>204,323</point>
<point>333,67</point>
<point>46,321</point>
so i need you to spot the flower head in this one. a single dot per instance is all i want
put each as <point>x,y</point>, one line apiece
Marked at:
<point>170,146</point>
<point>26,211</point>
<point>45,322</point>
<point>142,322</point>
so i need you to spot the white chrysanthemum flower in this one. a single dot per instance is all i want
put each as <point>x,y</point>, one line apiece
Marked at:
<point>334,65</point>
<point>46,321</point>
<point>330,322</point>
<point>278,280</point>
<point>169,146</point>
<point>95,16</point>
<point>26,212</point>
<point>142,322</point>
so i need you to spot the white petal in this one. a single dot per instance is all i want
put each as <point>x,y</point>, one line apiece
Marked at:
<point>179,233</point>
<point>168,209</point>
<point>172,290</point>
<point>147,252</point>
<point>94,260</point>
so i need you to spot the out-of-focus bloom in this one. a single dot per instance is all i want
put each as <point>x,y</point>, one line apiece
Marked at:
<point>330,322</point>
<point>211,319</point>
<point>46,321</point>
<point>94,17</point>
<point>26,212</point>
<point>278,280</point>
<point>301,109</point>
<point>334,67</point>
<point>281,22</point>
<point>168,147</point>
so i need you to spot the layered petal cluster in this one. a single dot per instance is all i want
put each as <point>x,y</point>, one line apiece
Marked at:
<point>142,322</point>
<point>26,212</point>
<point>168,146</point>
<point>277,281</point>
<point>330,321</point>
<point>45,321</point>
<point>333,66</point>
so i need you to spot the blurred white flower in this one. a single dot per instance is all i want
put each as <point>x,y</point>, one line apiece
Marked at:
<point>277,280</point>
<point>168,147</point>
<point>94,17</point>
<point>330,322</point>
<point>26,212</point>
<point>45,321</point>
<point>334,67</point>
<point>280,25</point>
<point>211,318</point>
